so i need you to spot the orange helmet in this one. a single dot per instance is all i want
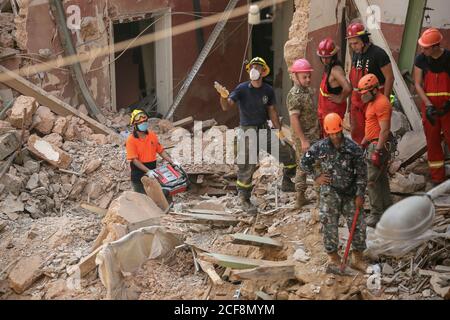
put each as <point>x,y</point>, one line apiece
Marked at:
<point>367,83</point>
<point>332,123</point>
<point>430,37</point>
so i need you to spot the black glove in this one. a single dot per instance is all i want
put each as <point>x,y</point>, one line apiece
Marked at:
<point>431,114</point>
<point>444,110</point>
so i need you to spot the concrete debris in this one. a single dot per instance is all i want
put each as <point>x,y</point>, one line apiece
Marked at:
<point>48,152</point>
<point>133,210</point>
<point>409,184</point>
<point>8,144</point>
<point>25,273</point>
<point>11,205</point>
<point>32,166</point>
<point>54,139</point>
<point>301,255</point>
<point>33,182</point>
<point>60,125</point>
<point>92,165</point>
<point>23,106</point>
<point>43,120</point>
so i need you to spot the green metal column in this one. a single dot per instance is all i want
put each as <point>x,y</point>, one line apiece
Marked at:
<point>413,25</point>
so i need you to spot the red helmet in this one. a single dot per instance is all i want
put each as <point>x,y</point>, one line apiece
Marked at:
<point>356,29</point>
<point>327,48</point>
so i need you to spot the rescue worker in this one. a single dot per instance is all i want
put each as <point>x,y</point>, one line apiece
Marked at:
<point>304,123</point>
<point>334,88</point>
<point>256,102</point>
<point>366,58</point>
<point>142,146</point>
<point>377,141</point>
<point>342,179</point>
<point>432,80</point>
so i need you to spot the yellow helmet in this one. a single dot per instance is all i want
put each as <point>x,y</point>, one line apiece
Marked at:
<point>261,62</point>
<point>137,115</point>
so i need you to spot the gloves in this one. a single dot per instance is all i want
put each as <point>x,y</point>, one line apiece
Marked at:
<point>221,90</point>
<point>444,110</point>
<point>150,174</point>
<point>365,145</point>
<point>376,158</point>
<point>431,114</point>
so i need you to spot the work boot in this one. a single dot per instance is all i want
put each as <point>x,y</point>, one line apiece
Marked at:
<point>334,260</point>
<point>246,204</point>
<point>300,200</point>
<point>372,220</point>
<point>287,185</point>
<point>358,262</point>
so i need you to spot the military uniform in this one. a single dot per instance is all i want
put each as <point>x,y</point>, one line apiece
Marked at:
<point>299,101</point>
<point>348,173</point>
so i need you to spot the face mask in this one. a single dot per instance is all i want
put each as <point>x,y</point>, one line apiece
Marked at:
<point>142,126</point>
<point>367,97</point>
<point>254,74</point>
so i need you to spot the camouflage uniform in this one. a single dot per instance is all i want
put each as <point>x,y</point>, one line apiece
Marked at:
<point>299,101</point>
<point>348,173</point>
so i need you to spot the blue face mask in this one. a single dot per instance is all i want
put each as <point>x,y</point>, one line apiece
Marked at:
<point>142,126</point>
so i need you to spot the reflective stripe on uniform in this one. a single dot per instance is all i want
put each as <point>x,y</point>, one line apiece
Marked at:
<point>290,166</point>
<point>438,94</point>
<point>323,93</point>
<point>243,185</point>
<point>292,112</point>
<point>435,164</point>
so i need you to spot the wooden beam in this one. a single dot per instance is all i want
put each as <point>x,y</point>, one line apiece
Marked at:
<point>247,239</point>
<point>184,122</point>
<point>236,262</point>
<point>59,107</point>
<point>208,219</point>
<point>86,265</point>
<point>270,273</point>
<point>210,271</point>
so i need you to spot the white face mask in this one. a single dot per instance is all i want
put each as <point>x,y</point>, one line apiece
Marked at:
<point>254,74</point>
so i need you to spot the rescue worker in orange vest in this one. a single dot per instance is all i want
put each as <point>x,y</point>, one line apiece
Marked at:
<point>376,139</point>
<point>367,58</point>
<point>334,88</point>
<point>142,146</point>
<point>432,80</point>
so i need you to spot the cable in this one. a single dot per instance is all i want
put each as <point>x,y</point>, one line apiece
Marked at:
<point>245,52</point>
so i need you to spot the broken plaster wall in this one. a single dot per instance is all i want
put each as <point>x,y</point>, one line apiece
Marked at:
<point>37,31</point>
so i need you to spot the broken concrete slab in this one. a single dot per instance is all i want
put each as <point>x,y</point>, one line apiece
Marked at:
<point>135,210</point>
<point>236,262</point>
<point>23,105</point>
<point>248,239</point>
<point>48,152</point>
<point>266,273</point>
<point>43,120</point>
<point>8,144</point>
<point>209,205</point>
<point>25,273</point>
<point>411,146</point>
<point>206,211</point>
